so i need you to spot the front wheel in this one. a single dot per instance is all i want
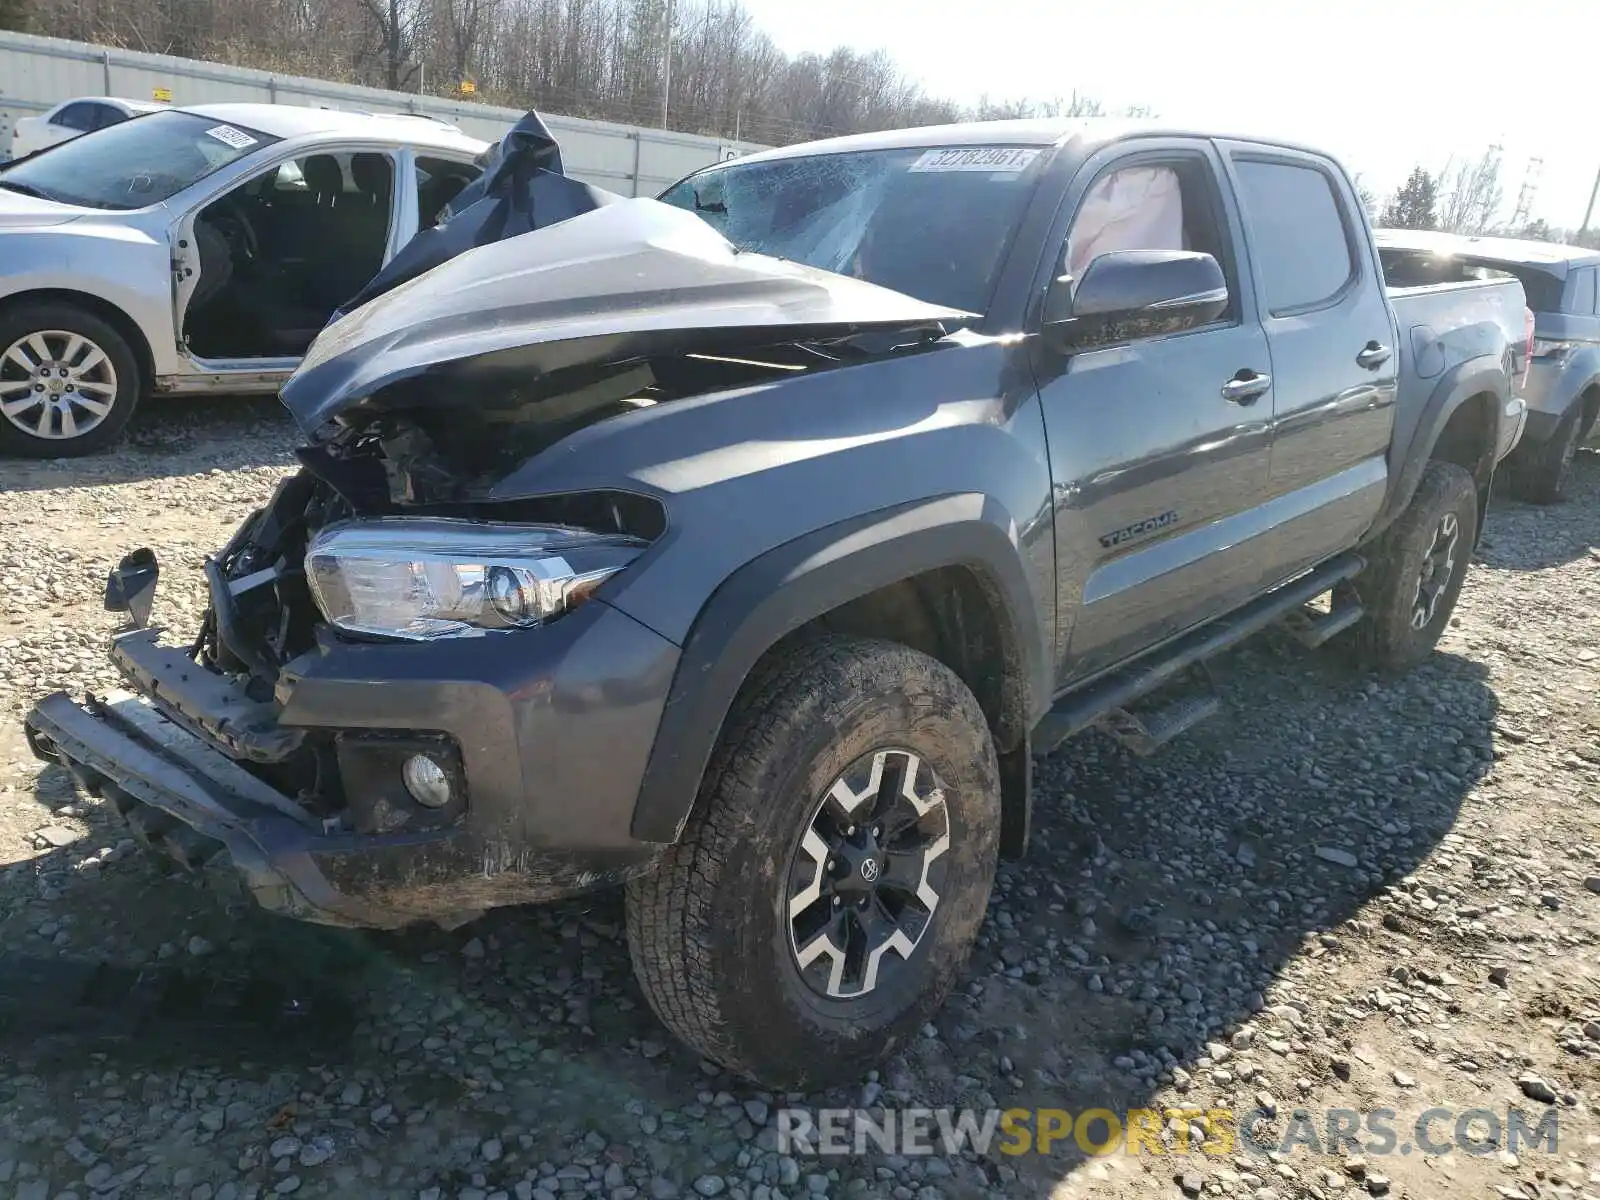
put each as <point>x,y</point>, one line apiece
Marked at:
<point>828,887</point>
<point>68,382</point>
<point>1417,567</point>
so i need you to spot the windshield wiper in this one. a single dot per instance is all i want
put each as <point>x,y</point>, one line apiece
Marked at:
<point>26,189</point>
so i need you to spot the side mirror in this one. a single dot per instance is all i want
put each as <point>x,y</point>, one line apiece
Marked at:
<point>1132,294</point>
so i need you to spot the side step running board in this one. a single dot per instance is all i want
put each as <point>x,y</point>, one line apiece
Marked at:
<point>1145,733</point>
<point>1313,629</point>
<point>1081,709</point>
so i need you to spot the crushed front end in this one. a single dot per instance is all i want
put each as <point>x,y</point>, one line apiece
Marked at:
<point>409,699</point>
<point>485,748</point>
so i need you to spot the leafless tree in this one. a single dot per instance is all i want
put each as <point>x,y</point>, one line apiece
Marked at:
<point>398,25</point>
<point>587,58</point>
<point>1471,193</point>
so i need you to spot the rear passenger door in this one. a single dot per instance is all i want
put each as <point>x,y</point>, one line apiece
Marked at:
<point>1334,357</point>
<point>1157,471</point>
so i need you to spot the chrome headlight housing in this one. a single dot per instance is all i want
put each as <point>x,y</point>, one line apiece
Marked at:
<point>421,578</point>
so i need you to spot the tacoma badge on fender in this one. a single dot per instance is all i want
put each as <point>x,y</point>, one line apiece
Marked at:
<point>1138,529</point>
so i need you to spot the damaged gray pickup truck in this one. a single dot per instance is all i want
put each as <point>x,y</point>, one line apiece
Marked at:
<point>743,546</point>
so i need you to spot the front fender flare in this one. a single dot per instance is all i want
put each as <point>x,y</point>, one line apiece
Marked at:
<point>792,584</point>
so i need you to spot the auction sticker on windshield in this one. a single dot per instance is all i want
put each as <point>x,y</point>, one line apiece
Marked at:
<point>996,159</point>
<point>229,136</point>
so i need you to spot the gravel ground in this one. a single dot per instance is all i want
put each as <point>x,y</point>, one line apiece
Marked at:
<point>1343,893</point>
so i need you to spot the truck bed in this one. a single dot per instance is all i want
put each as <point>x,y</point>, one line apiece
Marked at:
<point>1442,324</point>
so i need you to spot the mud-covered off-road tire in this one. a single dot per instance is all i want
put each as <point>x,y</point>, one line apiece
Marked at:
<point>1389,637</point>
<point>712,932</point>
<point>1539,472</point>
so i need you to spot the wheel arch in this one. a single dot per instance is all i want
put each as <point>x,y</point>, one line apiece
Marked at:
<point>1460,423</point>
<point>943,576</point>
<point>1589,397</point>
<point>127,328</point>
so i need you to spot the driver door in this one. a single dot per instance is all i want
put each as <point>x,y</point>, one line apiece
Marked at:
<point>1159,474</point>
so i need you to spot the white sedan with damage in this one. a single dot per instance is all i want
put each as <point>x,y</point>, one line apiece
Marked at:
<point>197,249</point>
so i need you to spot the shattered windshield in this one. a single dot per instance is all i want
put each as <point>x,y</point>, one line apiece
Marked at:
<point>933,223</point>
<point>135,163</point>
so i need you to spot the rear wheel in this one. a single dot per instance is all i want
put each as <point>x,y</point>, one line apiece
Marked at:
<point>829,884</point>
<point>68,382</point>
<point>1416,570</point>
<point>1539,472</point>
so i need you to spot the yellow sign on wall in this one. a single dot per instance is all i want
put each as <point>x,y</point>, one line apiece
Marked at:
<point>162,94</point>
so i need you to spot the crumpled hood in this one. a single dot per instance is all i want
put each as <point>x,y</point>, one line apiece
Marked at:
<point>29,212</point>
<point>633,278</point>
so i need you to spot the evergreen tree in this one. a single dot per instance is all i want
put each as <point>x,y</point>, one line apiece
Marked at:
<point>1412,207</point>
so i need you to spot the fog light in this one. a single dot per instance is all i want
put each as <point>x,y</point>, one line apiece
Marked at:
<point>426,780</point>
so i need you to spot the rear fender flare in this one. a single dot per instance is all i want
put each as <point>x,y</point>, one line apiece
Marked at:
<point>1579,372</point>
<point>791,585</point>
<point>1474,377</point>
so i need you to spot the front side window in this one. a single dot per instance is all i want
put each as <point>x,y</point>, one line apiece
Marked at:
<point>1134,208</point>
<point>1151,206</point>
<point>1298,234</point>
<point>931,222</point>
<point>134,164</point>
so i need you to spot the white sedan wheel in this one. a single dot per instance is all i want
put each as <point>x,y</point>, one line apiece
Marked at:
<point>56,384</point>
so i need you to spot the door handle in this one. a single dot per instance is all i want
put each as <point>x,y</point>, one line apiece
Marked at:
<point>1246,387</point>
<point>1373,356</point>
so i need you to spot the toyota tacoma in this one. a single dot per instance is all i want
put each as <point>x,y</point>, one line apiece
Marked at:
<point>743,547</point>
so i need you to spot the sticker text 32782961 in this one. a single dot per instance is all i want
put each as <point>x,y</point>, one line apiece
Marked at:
<point>229,136</point>
<point>1004,160</point>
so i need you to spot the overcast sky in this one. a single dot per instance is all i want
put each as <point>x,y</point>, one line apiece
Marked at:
<point>1383,84</point>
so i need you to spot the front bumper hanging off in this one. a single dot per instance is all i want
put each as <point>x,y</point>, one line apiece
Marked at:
<point>196,805</point>
<point>547,732</point>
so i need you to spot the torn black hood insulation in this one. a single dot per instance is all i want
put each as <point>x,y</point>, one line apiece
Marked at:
<point>628,281</point>
<point>522,188</point>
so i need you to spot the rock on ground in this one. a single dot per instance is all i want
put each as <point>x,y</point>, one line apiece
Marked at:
<point>1347,891</point>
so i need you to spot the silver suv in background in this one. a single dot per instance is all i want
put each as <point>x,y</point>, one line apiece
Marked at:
<point>1562,384</point>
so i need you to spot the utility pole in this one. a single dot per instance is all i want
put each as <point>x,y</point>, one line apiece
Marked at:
<point>1589,212</point>
<point>666,69</point>
<point>1526,196</point>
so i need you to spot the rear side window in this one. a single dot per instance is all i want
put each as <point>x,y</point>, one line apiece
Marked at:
<point>1581,293</point>
<point>76,116</point>
<point>1297,234</point>
<point>1542,289</point>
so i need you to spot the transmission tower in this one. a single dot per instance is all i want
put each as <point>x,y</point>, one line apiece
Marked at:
<point>1525,197</point>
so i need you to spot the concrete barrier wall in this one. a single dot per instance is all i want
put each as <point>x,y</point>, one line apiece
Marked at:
<point>36,73</point>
